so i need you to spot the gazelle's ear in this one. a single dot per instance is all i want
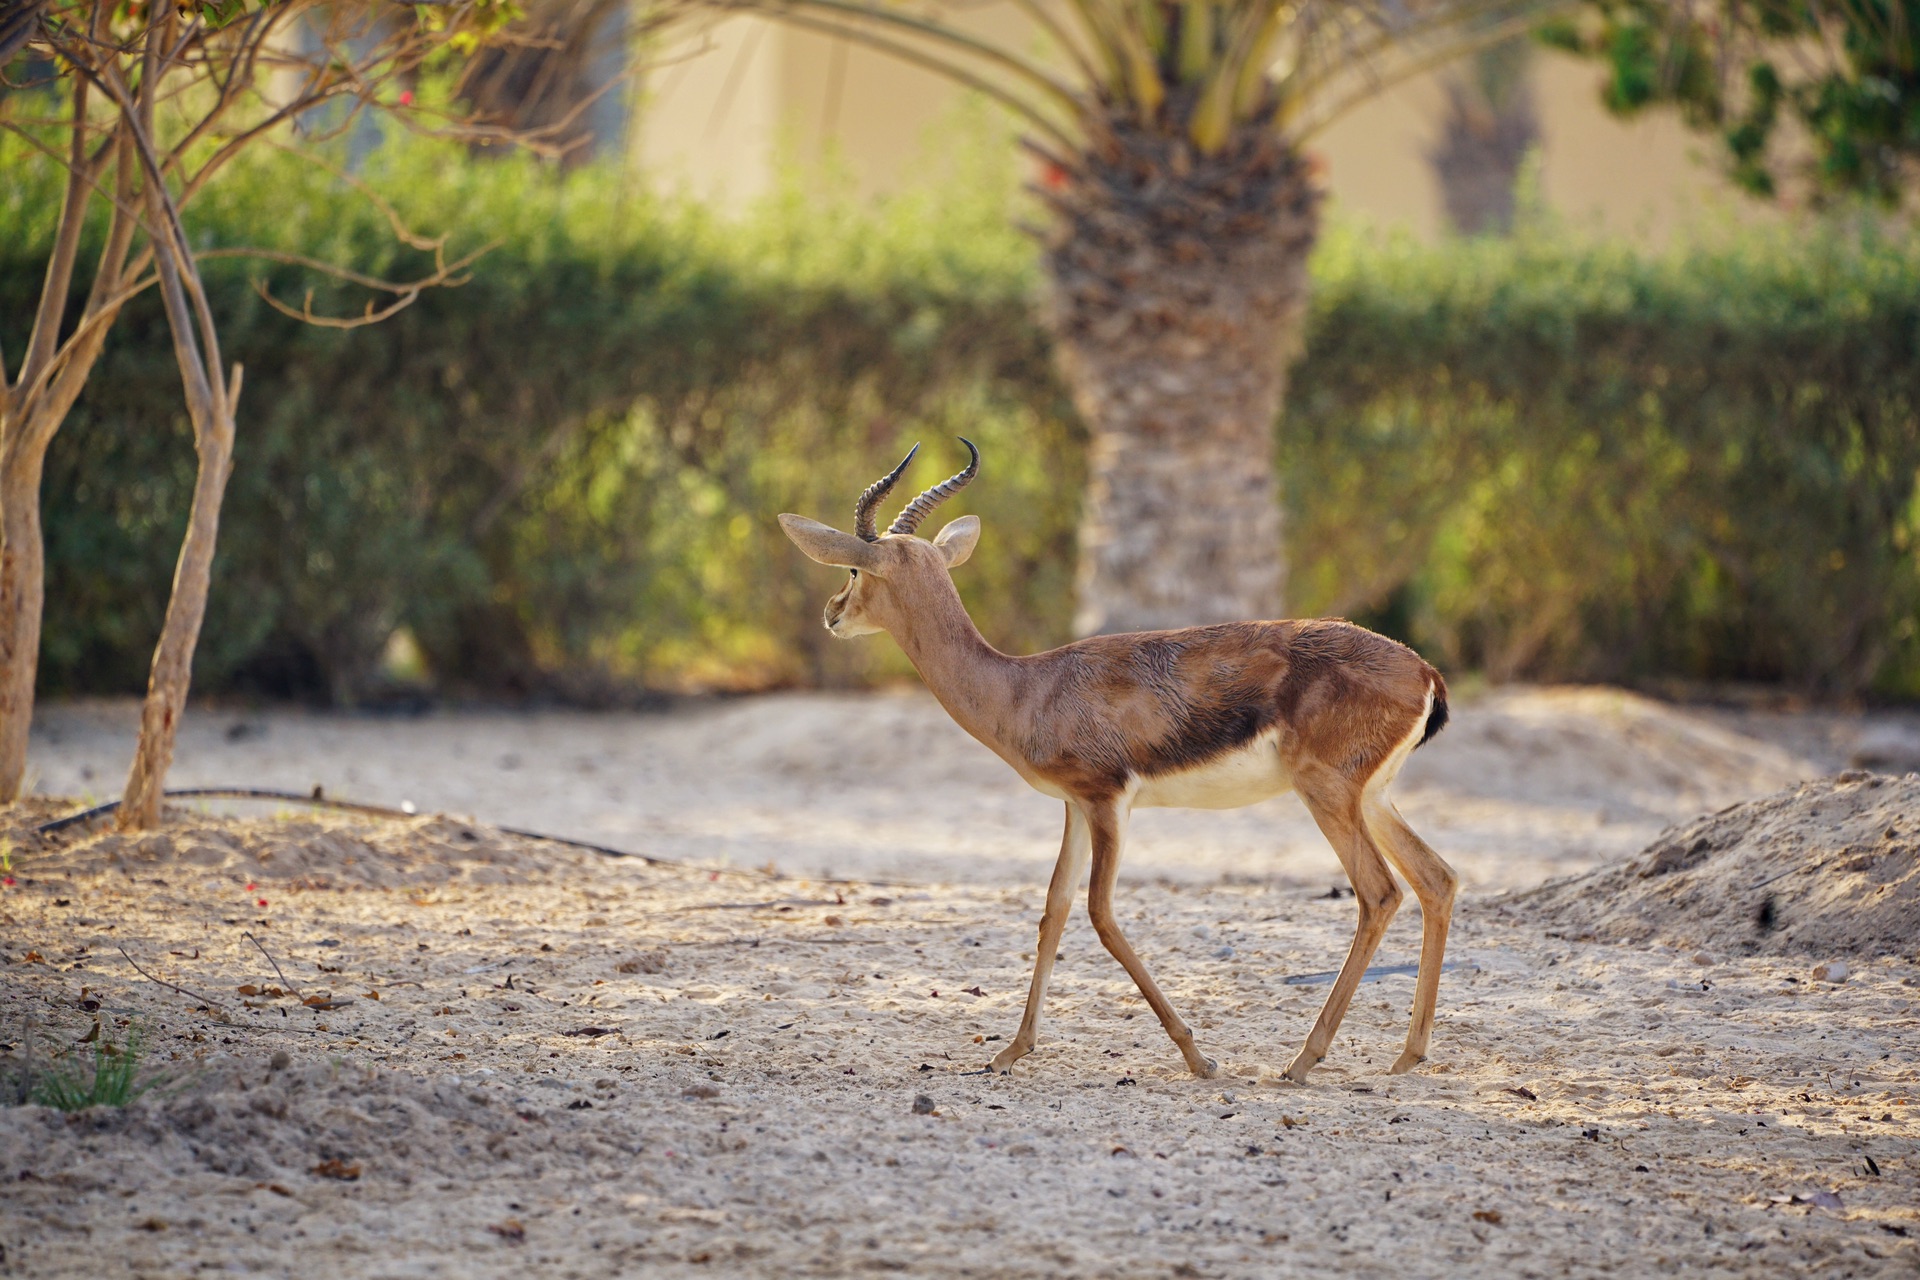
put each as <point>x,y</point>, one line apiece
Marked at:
<point>956,541</point>
<point>827,544</point>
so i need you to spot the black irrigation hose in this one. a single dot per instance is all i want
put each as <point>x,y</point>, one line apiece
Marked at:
<point>319,799</point>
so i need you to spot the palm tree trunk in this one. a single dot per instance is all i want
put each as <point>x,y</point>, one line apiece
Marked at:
<point>1179,286</point>
<point>1489,128</point>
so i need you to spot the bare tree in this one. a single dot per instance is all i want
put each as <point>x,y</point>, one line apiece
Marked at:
<point>151,105</point>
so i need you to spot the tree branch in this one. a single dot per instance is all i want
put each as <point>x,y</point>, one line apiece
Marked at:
<point>45,337</point>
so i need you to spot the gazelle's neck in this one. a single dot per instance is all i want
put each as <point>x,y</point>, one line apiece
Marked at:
<point>979,686</point>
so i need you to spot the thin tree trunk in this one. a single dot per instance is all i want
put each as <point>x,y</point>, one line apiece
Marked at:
<point>211,404</point>
<point>22,589</point>
<point>24,439</point>
<point>32,410</point>
<point>172,671</point>
<point>1179,287</point>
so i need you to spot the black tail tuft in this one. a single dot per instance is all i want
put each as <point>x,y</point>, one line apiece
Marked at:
<point>1436,718</point>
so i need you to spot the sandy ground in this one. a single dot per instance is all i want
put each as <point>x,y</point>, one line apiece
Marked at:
<point>560,1064</point>
<point>1523,785</point>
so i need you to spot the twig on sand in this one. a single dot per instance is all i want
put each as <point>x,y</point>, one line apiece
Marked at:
<point>213,1006</point>
<point>791,942</point>
<point>284,979</point>
<point>1374,974</point>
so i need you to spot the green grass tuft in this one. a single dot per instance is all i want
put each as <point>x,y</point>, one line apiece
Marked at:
<point>109,1075</point>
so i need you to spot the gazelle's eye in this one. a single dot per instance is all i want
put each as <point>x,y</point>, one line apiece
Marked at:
<point>854,572</point>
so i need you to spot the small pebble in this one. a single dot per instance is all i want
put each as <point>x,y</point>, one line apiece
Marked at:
<point>280,1060</point>
<point>1831,971</point>
<point>1202,932</point>
<point>922,1105</point>
<point>1703,957</point>
<point>1224,953</point>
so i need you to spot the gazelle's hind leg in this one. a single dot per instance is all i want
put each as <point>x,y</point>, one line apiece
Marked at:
<point>1434,884</point>
<point>1106,830</point>
<point>1335,803</point>
<point>1053,921</point>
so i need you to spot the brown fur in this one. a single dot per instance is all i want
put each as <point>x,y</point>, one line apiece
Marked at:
<point>1095,719</point>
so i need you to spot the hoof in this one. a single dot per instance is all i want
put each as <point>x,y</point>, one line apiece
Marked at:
<point>1002,1064</point>
<point>1205,1069</point>
<point>1406,1062</point>
<point>1297,1070</point>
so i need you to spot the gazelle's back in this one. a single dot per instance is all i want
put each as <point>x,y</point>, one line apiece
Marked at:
<point>1208,705</point>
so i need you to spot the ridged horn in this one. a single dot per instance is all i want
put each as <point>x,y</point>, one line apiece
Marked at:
<point>921,507</point>
<point>863,521</point>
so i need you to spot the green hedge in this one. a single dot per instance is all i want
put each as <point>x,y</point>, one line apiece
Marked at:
<point>1539,457</point>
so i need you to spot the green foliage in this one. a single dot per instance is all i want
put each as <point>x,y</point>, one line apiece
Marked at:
<point>1583,462</point>
<point>1846,76</point>
<point>1537,457</point>
<point>564,473</point>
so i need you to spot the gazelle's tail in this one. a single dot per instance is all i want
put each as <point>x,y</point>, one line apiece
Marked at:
<point>1437,716</point>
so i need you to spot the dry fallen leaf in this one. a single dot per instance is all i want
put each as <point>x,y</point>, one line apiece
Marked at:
<point>511,1231</point>
<point>334,1167</point>
<point>326,1001</point>
<point>1489,1216</point>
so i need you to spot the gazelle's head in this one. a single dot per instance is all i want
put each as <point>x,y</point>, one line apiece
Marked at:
<point>892,572</point>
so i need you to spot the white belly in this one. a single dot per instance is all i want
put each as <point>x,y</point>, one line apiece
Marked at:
<point>1244,776</point>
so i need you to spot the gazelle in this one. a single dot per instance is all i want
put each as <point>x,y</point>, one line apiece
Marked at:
<point>1207,717</point>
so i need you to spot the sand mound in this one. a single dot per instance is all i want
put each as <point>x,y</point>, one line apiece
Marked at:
<point>1586,746</point>
<point>313,852</point>
<point>321,1120</point>
<point>1829,868</point>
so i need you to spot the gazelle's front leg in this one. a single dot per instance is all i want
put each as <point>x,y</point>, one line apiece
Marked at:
<point>1053,921</point>
<point>1106,824</point>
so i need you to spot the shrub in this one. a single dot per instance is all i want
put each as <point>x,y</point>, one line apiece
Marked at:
<point>1540,457</point>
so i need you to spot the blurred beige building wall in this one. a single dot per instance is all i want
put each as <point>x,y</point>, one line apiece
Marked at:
<point>723,107</point>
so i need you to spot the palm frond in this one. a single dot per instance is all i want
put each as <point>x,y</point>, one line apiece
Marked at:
<point>1197,68</point>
